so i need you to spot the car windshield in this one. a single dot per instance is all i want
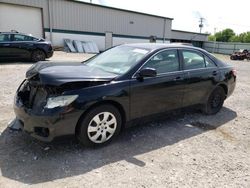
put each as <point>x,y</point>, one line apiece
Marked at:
<point>118,60</point>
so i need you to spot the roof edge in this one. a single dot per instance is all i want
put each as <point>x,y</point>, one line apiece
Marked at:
<point>189,32</point>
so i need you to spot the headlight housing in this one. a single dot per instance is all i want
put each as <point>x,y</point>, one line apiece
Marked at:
<point>60,101</point>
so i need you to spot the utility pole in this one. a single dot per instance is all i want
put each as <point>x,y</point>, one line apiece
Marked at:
<point>201,24</point>
<point>214,40</point>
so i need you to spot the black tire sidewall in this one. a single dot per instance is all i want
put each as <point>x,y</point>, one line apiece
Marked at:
<point>211,110</point>
<point>82,134</point>
<point>33,56</point>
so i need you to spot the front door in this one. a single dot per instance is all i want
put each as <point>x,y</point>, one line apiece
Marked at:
<point>21,45</point>
<point>161,93</point>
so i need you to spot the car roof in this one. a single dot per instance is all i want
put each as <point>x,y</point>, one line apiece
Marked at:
<point>14,33</point>
<point>159,46</point>
<point>155,46</point>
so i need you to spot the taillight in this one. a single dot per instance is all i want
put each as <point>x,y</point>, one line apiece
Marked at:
<point>234,72</point>
<point>50,47</point>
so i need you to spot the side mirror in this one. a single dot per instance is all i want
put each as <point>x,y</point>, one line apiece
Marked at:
<point>147,72</point>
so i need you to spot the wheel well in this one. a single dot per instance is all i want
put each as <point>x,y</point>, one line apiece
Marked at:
<point>109,102</point>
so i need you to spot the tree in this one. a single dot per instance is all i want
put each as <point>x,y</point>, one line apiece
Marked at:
<point>225,35</point>
<point>228,35</point>
<point>235,38</point>
<point>247,37</point>
<point>211,38</point>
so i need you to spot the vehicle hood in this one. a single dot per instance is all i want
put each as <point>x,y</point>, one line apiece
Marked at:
<point>56,73</point>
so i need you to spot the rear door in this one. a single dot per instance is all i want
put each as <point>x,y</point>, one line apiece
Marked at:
<point>201,75</point>
<point>161,93</point>
<point>22,45</point>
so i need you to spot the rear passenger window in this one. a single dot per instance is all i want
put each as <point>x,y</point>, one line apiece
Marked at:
<point>209,62</point>
<point>164,62</point>
<point>193,60</point>
<point>18,37</point>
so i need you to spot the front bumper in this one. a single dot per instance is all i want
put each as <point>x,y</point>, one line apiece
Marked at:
<point>46,125</point>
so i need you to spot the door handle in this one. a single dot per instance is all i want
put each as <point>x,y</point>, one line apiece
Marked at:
<point>215,73</point>
<point>178,78</point>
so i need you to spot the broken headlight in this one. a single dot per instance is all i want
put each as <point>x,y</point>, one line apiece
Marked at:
<point>60,101</point>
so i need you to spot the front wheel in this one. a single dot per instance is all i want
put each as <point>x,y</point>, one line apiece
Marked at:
<point>215,101</point>
<point>99,126</point>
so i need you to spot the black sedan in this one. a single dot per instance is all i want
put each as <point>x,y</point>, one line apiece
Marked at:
<point>14,45</point>
<point>93,100</point>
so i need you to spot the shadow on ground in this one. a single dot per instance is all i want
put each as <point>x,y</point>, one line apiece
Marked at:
<point>31,162</point>
<point>14,61</point>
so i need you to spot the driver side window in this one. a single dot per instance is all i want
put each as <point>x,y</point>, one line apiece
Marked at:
<point>164,62</point>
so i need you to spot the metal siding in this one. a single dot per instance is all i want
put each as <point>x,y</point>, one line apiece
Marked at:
<point>168,28</point>
<point>75,16</point>
<point>83,17</point>
<point>182,35</point>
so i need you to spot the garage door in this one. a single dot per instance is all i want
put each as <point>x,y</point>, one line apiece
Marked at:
<point>21,18</point>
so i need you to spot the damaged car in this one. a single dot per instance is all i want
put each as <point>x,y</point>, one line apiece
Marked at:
<point>242,54</point>
<point>95,99</point>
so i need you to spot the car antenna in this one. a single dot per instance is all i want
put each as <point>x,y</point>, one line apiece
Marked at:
<point>14,31</point>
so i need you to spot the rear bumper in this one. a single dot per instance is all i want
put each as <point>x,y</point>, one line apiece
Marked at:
<point>231,86</point>
<point>45,126</point>
<point>49,54</point>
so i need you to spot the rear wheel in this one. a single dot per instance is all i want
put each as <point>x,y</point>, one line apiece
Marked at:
<point>215,101</point>
<point>38,55</point>
<point>99,126</point>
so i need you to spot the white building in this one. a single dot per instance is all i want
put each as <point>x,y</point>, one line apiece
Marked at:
<point>56,20</point>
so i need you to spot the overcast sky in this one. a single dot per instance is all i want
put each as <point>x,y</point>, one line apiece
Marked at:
<point>219,14</point>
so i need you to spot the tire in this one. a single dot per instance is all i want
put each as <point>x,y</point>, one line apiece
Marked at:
<point>93,130</point>
<point>215,101</point>
<point>38,55</point>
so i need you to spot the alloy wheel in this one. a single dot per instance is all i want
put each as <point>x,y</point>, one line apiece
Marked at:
<point>102,127</point>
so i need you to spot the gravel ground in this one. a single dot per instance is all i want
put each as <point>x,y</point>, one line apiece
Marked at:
<point>182,150</point>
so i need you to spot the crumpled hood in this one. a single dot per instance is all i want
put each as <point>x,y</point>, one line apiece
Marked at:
<point>60,73</point>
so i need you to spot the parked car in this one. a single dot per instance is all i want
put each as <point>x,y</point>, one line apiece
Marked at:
<point>93,100</point>
<point>240,55</point>
<point>14,45</point>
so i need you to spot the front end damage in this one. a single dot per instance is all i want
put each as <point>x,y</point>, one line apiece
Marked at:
<point>47,111</point>
<point>37,120</point>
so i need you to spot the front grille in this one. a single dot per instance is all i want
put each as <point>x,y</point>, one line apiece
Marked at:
<point>32,96</point>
